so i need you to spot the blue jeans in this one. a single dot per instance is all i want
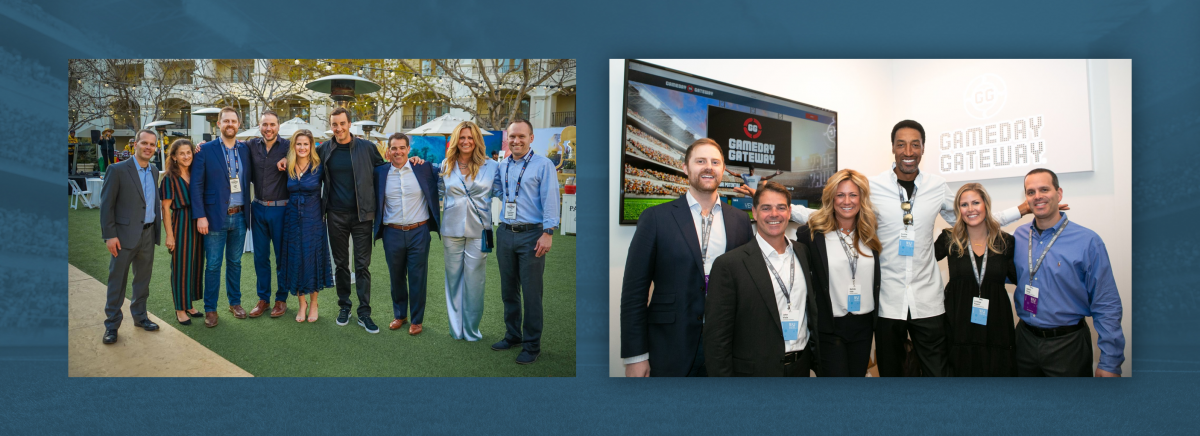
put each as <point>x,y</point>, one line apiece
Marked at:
<point>266,229</point>
<point>232,243</point>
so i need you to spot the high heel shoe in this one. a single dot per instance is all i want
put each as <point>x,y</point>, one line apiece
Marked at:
<point>184,322</point>
<point>195,315</point>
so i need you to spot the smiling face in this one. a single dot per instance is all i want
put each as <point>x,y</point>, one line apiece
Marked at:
<point>340,123</point>
<point>908,149</point>
<point>704,168</point>
<point>1041,195</point>
<point>145,146</point>
<point>398,152</point>
<point>772,214</point>
<point>466,142</point>
<point>519,138</point>
<point>303,146</point>
<point>846,200</point>
<point>268,125</point>
<point>229,124</point>
<point>183,156</point>
<point>971,209</point>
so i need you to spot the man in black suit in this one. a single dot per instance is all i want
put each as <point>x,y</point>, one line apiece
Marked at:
<point>130,218</point>
<point>673,249</point>
<point>760,314</point>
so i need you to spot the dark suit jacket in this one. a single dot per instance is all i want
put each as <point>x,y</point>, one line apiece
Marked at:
<point>123,204</point>
<point>210,184</point>
<point>742,334</point>
<point>364,157</point>
<point>665,251</point>
<point>819,258</point>
<point>426,178</point>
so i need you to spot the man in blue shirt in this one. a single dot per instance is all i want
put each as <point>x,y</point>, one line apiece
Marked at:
<point>529,216</point>
<point>1063,276</point>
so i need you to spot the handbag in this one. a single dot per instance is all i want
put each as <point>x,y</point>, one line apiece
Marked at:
<point>485,240</point>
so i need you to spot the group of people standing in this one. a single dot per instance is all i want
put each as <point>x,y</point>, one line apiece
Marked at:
<point>309,201</point>
<point>731,302</point>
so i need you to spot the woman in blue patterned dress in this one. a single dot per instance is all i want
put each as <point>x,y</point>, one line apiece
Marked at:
<point>305,245</point>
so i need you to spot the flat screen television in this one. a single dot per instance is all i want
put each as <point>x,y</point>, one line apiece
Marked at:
<point>764,137</point>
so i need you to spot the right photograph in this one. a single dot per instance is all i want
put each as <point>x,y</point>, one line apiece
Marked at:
<point>870,218</point>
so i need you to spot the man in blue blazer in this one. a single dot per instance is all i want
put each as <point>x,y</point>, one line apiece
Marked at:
<point>406,210</point>
<point>220,192</point>
<point>670,250</point>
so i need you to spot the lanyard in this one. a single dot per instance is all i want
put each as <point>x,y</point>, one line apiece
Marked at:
<point>467,193</point>
<point>1033,269</point>
<point>979,273</point>
<point>912,204</point>
<point>851,256</point>
<point>517,193</point>
<point>706,230</point>
<point>787,294</point>
<point>235,168</point>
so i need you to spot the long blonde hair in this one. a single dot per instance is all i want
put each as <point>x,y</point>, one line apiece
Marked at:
<point>825,221</point>
<point>478,156</point>
<point>313,160</point>
<point>959,237</point>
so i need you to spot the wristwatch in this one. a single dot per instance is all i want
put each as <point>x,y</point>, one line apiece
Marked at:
<point>549,231</point>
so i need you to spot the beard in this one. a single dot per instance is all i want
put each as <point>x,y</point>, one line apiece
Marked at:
<point>699,184</point>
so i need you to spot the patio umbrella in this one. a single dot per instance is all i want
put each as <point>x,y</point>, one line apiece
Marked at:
<point>441,126</point>
<point>252,133</point>
<point>290,127</point>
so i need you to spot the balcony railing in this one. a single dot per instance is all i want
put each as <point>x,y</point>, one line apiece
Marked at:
<point>563,119</point>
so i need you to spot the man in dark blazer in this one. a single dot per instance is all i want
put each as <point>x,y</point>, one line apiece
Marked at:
<point>760,314</point>
<point>406,210</point>
<point>220,192</point>
<point>130,219</point>
<point>661,335</point>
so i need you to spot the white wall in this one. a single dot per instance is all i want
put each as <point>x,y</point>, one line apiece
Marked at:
<point>863,94</point>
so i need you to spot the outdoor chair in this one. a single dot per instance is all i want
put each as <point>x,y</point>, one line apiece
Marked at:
<point>79,194</point>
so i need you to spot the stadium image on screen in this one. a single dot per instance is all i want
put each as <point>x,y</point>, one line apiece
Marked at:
<point>763,137</point>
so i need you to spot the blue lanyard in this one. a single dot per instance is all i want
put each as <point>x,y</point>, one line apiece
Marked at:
<point>517,193</point>
<point>235,169</point>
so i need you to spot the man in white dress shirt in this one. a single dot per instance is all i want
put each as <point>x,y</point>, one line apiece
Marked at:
<point>406,213</point>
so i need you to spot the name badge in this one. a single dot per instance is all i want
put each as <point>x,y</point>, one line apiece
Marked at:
<point>235,185</point>
<point>853,299</point>
<point>510,211</point>
<point>906,244</point>
<point>979,309</point>
<point>791,327</point>
<point>1031,297</point>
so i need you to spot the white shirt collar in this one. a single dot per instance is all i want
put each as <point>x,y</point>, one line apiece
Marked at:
<point>407,164</point>
<point>694,204</point>
<point>768,249</point>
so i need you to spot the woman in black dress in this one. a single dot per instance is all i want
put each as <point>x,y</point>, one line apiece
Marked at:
<point>843,252</point>
<point>979,320</point>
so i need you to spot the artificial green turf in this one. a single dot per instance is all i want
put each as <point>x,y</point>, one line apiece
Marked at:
<point>281,347</point>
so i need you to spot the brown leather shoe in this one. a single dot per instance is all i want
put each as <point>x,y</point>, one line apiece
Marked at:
<point>397,323</point>
<point>259,309</point>
<point>279,310</point>
<point>210,319</point>
<point>238,312</point>
<point>415,329</point>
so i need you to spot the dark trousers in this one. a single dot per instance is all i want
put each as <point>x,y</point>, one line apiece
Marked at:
<point>846,351</point>
<point>928,339</point>
<point>266,227</point>
<point>407,253</point>
<point>341,227</point>
<point>802,367</point>
<point>521,286</point>
<point>698,369</point>
<point>1069,355</point>
<point>141,258</point>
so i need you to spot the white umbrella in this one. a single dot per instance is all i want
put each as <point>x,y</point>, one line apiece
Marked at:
<point>252,133</point>
<point>290,127</point>
<point>357,130</point>
<point>440,126</point>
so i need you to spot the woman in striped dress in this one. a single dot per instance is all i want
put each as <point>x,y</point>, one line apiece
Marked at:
<point>183,240</point>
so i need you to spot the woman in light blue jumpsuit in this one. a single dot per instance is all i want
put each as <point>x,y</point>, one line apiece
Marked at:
<point>466,186</point>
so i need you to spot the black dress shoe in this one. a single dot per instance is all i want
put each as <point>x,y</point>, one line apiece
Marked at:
<point>110,336</point>
<point>149,325</point>
<point>195,315</point>
<point>184,322</point>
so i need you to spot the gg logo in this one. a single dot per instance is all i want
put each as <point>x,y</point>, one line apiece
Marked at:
<point>985,96</point>
<point>752,128</point>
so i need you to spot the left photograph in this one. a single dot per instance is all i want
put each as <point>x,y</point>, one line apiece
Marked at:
<point>238,217</point>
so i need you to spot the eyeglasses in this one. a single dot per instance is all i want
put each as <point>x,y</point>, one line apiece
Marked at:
<point>907,208</point>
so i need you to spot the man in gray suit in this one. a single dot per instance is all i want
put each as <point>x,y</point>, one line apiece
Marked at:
<point>130,218</point>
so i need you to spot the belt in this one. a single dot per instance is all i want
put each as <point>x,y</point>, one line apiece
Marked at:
<point>234,210</point>
<point>792,357</point>
<point>271,203</point>
<point>518,228</point>
<point>1054,332</point>
<point>147,225</point>
<point>407,227</point>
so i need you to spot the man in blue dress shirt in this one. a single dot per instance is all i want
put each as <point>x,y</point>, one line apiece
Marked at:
<point>529,215</point>
<point>1063,276</point>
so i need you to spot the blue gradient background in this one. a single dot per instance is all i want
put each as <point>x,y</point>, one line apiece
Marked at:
<point>1161,36</point>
